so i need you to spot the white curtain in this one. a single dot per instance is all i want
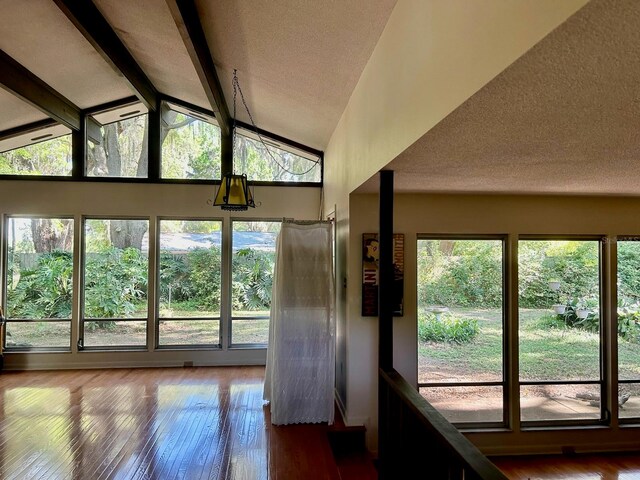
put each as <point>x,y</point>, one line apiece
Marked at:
<point>300,372</point>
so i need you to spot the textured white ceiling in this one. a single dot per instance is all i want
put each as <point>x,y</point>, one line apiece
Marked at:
<point>41,38</point>
<point>564,118</point>
<point>14,112</point>
<point>298,61</point>
<point>147,28</point>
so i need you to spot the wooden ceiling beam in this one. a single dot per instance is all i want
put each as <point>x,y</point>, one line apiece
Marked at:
<point>19,81</point>
<point>86,17</point>
<point>186,16</point>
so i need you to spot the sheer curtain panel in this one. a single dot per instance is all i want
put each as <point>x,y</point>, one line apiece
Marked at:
<point>300,373</point>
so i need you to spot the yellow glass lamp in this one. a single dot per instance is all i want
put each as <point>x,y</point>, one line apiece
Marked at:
<point>234,194</point>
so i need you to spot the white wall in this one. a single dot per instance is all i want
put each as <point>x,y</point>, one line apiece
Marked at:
<point>77,199</point>
<point>472,214</point>
<point>431,57</point>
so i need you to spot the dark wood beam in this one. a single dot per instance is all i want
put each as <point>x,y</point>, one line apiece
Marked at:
<point>385,271</point>
<point>89,21</point>
<point>186,17</point>
<point>22,83</point>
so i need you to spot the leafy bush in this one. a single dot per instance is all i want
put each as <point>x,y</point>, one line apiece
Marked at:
<point>629,322</point>
<point>460,273</point>
<point>252,279</point>
<point>115,282</point>
<point>204,277</point>
<point>448,329</point>
<point>44,291</point>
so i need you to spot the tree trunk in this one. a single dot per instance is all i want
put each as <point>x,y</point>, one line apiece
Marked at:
<point>112,150</point>
<point>46,238</point>
<point>127,233</point>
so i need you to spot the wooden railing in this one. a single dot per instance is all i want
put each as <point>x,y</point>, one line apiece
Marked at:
<point>416,441</point>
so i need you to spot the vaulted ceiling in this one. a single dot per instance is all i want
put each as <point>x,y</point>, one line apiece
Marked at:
<point>562,119</point>
<point>297,61</point>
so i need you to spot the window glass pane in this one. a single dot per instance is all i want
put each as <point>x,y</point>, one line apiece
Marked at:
<point>254,245</point>
<point>43,152</point>
<point>190,281</point>
<point>190,146</point>
<point>189,332</point>
<point>559,402</point>
<point>559,310</point>
<point>273,163</point>
<point>110,333</point>
<point>115,280</point>
<point>117,146</point>
<point>629,400</point>
<point>466,404</point>
<point>39,267</point>
<point>629,310</point>
<point>38,334</point>
<point>460,310</point>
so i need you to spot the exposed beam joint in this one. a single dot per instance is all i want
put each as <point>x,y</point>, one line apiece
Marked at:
<point>86,17</point>
<point>22,83</point>
<point>186,17</point>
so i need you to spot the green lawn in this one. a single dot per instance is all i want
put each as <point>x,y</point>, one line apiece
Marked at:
<point>546,353</point>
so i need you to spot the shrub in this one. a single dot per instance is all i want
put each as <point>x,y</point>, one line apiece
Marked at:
<point>115,281</point>
<point>44,291</point>
<point>204,277</point>
<point>252,279</point>
<point>448,329</point>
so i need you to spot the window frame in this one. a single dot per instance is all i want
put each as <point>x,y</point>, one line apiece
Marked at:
<point>229,286</point>
<point>506,352</point>
<point>219,318</point>
<point>5,270</point>
<point>82,289</point>
<point>603,381</point>
<point>79,149</point>
<point>622,421</point>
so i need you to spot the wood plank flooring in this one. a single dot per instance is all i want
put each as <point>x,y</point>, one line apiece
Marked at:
<point>622,466</point>
<point>192,423</point>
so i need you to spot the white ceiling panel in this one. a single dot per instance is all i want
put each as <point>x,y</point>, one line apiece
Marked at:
<point>14,112</point>
<point>41,38</point>
<point>298,61</point>
<point>147,29</point>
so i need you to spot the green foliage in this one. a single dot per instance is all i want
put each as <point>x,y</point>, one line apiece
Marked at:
<point>468,274</point>
<point>573,263</point>
<point>252,279</point>
<point>448,329</point>
<point>115,282</point>
<point>629,322</point>
<point>44,291</point>
<point>204,280</point>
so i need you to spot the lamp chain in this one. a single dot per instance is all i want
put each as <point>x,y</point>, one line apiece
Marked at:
<point>236,89</point>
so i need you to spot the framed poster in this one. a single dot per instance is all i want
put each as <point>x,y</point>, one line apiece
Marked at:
<point>370,274</point>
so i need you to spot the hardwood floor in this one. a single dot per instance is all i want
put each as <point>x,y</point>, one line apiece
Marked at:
<point>576,467</point>
<point>193,423</point>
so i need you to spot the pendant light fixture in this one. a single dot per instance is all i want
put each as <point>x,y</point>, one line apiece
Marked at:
<point>234,193</point>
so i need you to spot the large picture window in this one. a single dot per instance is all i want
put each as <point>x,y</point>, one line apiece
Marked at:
<point>460,328</point>
<point>559,328</point>
<point>629,329</point>
<point>115,265</point>
<point>189,282</point>
<point>254,246</point>
<point>39,282</point>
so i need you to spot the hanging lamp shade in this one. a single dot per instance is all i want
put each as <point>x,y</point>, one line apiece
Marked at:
<point>234,194</point>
